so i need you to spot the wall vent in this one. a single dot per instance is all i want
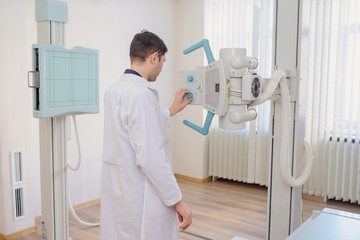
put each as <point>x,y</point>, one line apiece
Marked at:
<point>16,163</point>
<point>17,184</point>
<point>18,203</point>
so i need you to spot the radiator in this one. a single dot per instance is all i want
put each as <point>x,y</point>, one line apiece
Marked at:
<point>336,171</point>
<point>239,155</point>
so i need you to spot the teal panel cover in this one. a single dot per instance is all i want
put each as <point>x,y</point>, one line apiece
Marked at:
<point>69,81</point>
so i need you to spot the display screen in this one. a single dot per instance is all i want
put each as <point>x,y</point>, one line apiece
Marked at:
<point>217,87</point>
<point>212,94</point>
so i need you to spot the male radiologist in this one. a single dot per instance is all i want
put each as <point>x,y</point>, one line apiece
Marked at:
<point>140,196</point>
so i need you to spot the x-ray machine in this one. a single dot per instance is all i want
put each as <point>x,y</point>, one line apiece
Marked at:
<point>225,87</point>
<point>228,88</point>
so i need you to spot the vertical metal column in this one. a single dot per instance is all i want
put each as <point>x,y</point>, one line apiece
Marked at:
<point>52,155</point>
<point>284,202</point>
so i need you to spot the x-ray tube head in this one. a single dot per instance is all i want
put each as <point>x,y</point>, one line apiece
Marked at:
<point>227,87</point>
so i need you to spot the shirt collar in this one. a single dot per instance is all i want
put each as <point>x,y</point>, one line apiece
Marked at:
<point>130,71</point>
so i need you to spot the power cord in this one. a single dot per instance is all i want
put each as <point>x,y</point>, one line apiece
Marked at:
<point>75,169</point>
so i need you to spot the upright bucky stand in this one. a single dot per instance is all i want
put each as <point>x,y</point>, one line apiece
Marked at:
<point>51,16</point>
<point>66,83</point>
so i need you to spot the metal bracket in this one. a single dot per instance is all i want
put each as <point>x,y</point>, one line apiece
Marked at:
<point>37,79</point>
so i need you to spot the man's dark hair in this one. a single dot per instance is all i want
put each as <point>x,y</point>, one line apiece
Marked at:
<point>144,44</point>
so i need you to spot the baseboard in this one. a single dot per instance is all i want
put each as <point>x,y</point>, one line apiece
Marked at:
<point>37,219</point>
<point>76,207</point>
<point>192,179</point>
<point>86,204</point>
<point>18,234</point>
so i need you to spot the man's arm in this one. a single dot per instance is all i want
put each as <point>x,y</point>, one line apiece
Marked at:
<point>184,214</point>
<point>182,210</point>
<point>148,145</point>
<point>179,104</point>
<point>147,140</point>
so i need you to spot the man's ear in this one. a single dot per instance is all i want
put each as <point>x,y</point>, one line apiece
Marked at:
<point>153,56</point>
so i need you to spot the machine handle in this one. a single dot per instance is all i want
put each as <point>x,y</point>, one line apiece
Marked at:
<point>203,130</point>
<point>205,44</point>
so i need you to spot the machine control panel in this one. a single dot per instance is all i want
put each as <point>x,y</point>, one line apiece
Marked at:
<point>216,89</point>
<point>193,80</point>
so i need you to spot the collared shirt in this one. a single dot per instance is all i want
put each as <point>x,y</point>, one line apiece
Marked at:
<point>130,71</point>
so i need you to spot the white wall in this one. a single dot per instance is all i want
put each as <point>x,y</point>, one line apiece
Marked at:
<point>2,214</point>
<point>189,147</point>
<point>2,207</point>
<point>17,127</point>
<point>103,24</point>
<point>108,26</point>
<point>110,29</point>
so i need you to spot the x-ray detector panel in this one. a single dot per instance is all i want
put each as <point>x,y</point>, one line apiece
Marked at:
<point>66,81</point>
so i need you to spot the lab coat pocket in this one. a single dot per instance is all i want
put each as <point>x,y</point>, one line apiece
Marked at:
<point>111,159</point>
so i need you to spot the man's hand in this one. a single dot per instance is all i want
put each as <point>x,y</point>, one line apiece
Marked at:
<point>184,214</point>
<point>179,104</point>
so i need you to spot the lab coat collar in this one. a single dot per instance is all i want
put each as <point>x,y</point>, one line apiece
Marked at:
<point>134,77</point>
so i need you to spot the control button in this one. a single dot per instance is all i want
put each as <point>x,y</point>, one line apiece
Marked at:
<point>190,78</point>
<point>189,95</point>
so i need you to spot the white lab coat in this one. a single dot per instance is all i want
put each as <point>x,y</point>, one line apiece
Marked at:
<point>139,189</point>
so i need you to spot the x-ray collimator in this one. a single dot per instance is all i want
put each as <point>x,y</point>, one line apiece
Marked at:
<point>65,81</point>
